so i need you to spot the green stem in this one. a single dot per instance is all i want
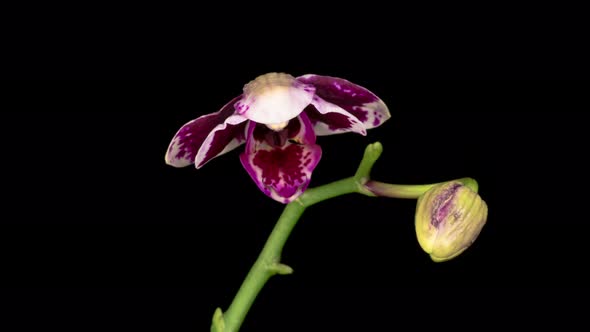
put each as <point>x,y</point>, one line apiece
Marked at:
<point>408,190</point>
<point>397,190</point>
<point>268,262</point>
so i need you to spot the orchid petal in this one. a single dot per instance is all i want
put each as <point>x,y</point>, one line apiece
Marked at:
<point>331,119</point>
<point>282,172</point>
<point>222,139</point>
<point>274,98</point>
<point>188,140</point>
<point>301,130</point>
<point>356,100</point>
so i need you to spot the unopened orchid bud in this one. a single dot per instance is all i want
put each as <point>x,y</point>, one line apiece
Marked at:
<point>449,217</point>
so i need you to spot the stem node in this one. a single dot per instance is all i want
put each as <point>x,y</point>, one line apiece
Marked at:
<point>279,268</point>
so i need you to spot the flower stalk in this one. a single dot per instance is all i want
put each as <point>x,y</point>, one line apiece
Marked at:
<point>269,261</point>
<point>409,190</point>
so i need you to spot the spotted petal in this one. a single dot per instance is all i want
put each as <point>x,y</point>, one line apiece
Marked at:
<point>280,167</point>
<point>329,119</point>
<point>345,96</point>
<point>188,140</point>
<point>223,138</point>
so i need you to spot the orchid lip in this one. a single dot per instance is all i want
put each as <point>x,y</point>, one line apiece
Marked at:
<point>281,163</point>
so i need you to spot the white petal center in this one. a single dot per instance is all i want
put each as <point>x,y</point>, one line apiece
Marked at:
<point>274,99</point>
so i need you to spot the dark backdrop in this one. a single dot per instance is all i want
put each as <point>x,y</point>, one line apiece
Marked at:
<point>97,233</point>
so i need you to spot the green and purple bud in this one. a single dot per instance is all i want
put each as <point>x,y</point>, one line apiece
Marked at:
<point>449,217</point>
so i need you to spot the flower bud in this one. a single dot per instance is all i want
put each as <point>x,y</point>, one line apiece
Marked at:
<point>449,218</point>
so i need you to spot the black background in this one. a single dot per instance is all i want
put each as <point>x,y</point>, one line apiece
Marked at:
<point>98,233</point>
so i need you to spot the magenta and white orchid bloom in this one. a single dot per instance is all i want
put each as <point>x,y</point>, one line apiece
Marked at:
<point>278,117</point>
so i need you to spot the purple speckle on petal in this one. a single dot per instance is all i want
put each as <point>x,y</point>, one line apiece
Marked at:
<point>189,143</point>
<point>241,108</point>
<point>335,121</point>
<point>281,164</point>
<point>377,118</point>
<point>340,91</point>
<point>359,112</point>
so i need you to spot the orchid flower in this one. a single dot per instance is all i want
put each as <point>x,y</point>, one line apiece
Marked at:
<point>279,116</point>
